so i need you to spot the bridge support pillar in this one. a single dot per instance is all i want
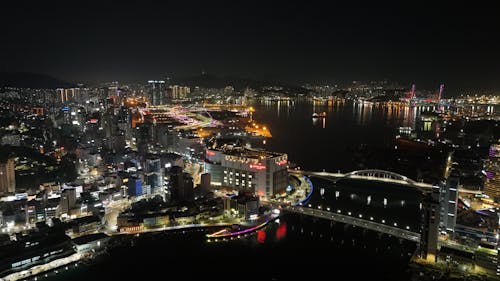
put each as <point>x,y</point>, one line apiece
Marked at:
<point>430,226</point>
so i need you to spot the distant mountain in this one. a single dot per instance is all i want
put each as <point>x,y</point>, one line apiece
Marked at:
<point>31,80</point>
<point>239,83</point>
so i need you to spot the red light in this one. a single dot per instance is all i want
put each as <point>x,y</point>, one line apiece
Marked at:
<point>257,166</point>
<point>282,162</point>
<point>210,153</point>
<point>261,236</point>
<point>281,231</point>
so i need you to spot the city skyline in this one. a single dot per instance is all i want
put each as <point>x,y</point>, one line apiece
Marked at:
<point>293,43</point>
<point>250,140</point>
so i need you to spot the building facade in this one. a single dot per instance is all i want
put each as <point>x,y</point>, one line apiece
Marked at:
<point>157,92</point>
<point>248,170</point>
<point>154,173</point>
<point>134,186</point>
<point>179,92</point>
<point>7,176</point>
<point>68,200</point>
<point>492,173</point>
<point>448,200</point>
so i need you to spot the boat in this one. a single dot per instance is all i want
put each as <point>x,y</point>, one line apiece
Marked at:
<point>319,115</point>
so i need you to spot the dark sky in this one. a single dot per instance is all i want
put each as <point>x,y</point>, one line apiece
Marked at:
<point>425,43</point>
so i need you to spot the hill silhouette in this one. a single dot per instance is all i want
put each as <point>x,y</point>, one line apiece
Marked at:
<point>239,83</point>
<point>32,80</point>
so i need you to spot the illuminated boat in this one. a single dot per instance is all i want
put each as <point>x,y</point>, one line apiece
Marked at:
<point>319,115</point>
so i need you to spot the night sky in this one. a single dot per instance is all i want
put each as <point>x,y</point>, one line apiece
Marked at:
<point>425,43</point>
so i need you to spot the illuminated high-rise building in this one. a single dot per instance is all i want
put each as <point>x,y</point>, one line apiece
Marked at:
<point>448,201</point>
<point>157,92</point>
<point>7,176</point>
<point>179,92</point>
<point>62,95</point>
<point>492,173</point>
<point>69,95</point>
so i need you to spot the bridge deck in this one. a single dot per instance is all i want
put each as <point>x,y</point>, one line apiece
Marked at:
<point>403,180</point>
<point>394,231</point>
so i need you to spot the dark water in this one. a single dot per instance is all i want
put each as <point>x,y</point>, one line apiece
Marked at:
<point>328,143</point>
<point>359,198</point>
<point>317,144</point>
<point>296,247</point>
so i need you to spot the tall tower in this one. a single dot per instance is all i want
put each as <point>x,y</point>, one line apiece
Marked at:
<point>492,172</point>
<point>448,201</point>
<point>412,93</point>
<point>7,176</point>
<point>430,226</point>
<point>154,173</point>
<point>157,92</point>
<point>441,89</point>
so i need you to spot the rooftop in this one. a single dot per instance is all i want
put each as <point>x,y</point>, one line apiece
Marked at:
<point>247,152</point>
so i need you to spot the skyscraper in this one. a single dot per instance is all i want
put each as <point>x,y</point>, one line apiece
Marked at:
<point>7,176</point>
<point>157,92</point>
<point>448,201</point>
<point>69,95</point>
<point>179,92</point>
<point>154,173</point>
<point>492,172</point>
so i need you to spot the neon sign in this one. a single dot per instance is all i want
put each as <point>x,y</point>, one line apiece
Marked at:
<point>257,166</point>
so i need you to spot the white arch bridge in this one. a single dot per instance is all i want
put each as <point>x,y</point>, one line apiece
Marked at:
<point>373,175</point>
<point>368,223</point>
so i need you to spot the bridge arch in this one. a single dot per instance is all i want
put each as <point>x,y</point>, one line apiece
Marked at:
<point>380,174</point>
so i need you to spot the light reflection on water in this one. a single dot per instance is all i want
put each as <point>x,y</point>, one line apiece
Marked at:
<point>296,246</point>
<point>326,143</point>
